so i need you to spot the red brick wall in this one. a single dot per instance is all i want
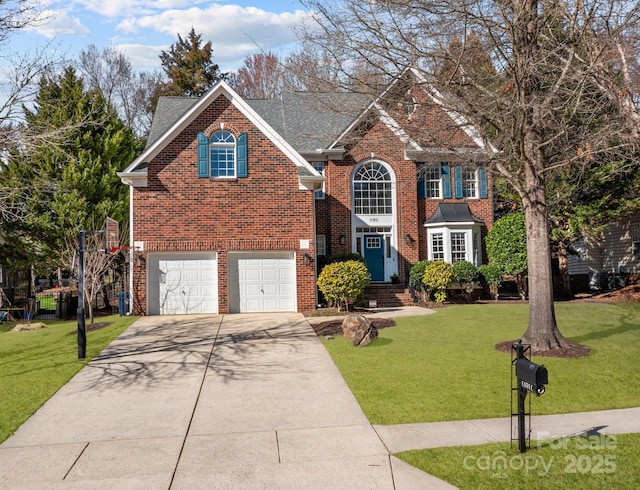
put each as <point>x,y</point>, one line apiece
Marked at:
<point>334,213</point>
<point>265,211</point>
<point>377,141</point>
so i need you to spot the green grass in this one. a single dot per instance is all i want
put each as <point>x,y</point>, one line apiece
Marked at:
<point>593,462</point>
<point>47,302</point>
<point>444,366</point>
<point>35,364</point>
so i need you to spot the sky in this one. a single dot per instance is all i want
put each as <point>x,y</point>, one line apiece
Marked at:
<point>141,29</point>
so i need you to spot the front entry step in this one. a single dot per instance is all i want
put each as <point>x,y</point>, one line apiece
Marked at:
<point>388,295</point>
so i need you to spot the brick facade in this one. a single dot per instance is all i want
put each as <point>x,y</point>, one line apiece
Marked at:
<point>377,141</point>
<point>177,211</point>
<point>180,212</point>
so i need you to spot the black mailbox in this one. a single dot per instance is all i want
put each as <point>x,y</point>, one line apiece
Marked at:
<point>531,376</point>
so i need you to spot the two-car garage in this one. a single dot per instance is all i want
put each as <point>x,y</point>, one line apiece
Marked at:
<point>187,282</point>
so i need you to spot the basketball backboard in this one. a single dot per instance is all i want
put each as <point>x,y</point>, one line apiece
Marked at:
<point>111,235</point>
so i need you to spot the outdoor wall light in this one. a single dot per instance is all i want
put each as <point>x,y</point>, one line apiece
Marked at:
<point>306,258</point>
<point>408,239</point>
<point>342,239</point>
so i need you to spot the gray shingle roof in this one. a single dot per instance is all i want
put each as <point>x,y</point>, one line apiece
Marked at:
<point>168,111</point>
<point>307,121</point>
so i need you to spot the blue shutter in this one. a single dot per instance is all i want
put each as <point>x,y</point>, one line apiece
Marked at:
<point>482,177</point>
<point>422,188</point>
<point>203,155</point>
<point>445,172</point>
<point>241,155</point>
<point>457,178</point>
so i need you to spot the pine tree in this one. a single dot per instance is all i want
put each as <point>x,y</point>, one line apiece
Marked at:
<point>72,179</point>
<point>188,65</point>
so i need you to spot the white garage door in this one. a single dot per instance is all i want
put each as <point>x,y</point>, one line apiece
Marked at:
<point>262,282</point>
<point>185,283</point>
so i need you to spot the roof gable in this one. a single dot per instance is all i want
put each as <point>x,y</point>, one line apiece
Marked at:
<point>416,150</point>
<point>164,131</point>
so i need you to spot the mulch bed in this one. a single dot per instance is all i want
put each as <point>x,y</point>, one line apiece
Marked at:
<point>572,351</point>
<point>334,327</point>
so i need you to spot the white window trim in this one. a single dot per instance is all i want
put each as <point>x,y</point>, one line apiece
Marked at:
<point>233,146</point>
<point>472,251</point>
<point>440,186</point>
<point>476,183</point>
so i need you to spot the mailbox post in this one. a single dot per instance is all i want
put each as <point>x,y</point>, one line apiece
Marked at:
<point>531,378</point>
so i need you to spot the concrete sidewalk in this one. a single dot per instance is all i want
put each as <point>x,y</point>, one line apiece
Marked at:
<point>233,402</point>
<point>405,437</point>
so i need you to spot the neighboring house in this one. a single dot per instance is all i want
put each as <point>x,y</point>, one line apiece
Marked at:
<point>607,263</point>
<point>233,200</point>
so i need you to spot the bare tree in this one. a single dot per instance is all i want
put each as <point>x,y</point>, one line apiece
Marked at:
<point>17,15</point>
<point>99,266</point>
<point>559,94</point>
<point>131,93</point>
<point>260,77</point>
<point>19,77</point>
<point>312,69</point>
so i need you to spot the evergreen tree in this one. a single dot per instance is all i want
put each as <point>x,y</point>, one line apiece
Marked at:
<point>188,65</point>
<point>72,180</point>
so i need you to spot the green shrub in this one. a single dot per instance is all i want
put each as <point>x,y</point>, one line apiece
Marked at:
<point>416,274</point>
<point>465,274</point>
<point>507,248</point>
<point>491,275</point>
<point>437,277</point>
<point>343,282</point>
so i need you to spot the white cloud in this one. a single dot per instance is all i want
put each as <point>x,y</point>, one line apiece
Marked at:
<point>128,8</point>
<point>142,56</point>
<point>234,32</point>
<point>226,26</point>
<point>54,23</point>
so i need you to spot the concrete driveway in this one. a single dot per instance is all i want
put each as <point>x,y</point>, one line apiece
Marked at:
<point>233,402</point>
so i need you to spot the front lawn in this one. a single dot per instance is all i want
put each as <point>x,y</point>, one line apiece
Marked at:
<point>585,462</point>
<point>444,366</point>
<point>35,364</point>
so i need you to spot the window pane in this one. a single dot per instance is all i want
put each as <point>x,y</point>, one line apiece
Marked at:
<point>223,154</point>
<point>372,189</point>
<point>432,180</point>
<point>437,246</point>
<point>458,247</point>
<point>222,161</point>
<point>321,245</point>
<point>469,181</point>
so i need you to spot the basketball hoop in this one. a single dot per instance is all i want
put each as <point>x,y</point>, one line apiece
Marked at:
<point>111,235</point>
<point>120,248</point>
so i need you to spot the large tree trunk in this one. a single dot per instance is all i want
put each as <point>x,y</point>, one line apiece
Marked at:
<point>542,333</point>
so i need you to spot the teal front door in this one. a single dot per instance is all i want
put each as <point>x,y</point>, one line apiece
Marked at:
<point>374,256</point>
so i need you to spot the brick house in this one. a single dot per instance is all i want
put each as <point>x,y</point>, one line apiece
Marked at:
<point>233,200</point>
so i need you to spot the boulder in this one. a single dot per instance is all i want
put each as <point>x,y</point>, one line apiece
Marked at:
<point>358,330</point>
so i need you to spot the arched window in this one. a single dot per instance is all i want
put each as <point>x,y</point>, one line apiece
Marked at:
<point>222,147</point>
<point>222,155</point>
<point>372,189</point>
